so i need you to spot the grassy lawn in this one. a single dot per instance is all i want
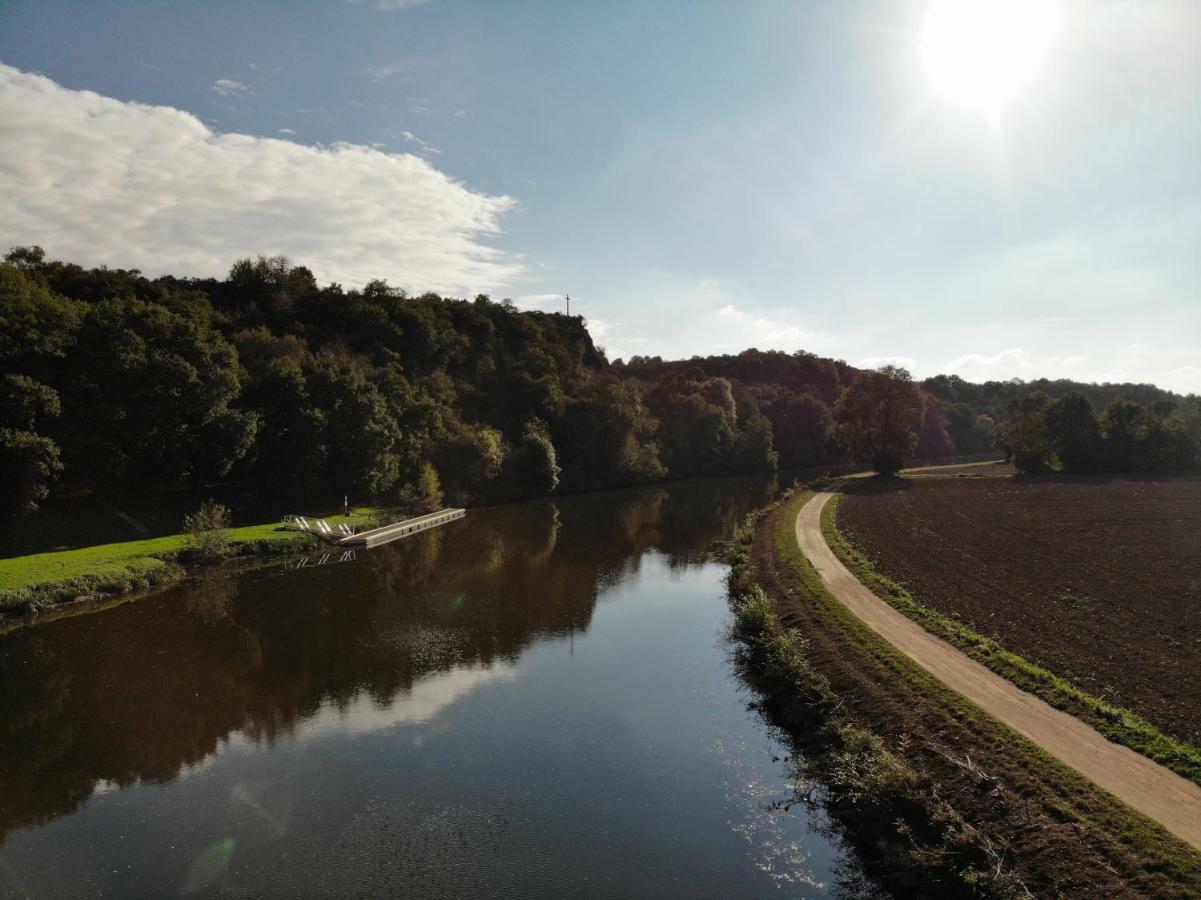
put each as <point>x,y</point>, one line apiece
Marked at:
<point>137,556</point>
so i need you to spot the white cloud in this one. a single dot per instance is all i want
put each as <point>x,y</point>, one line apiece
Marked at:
<point>287,131</point>
<point>1017,363</point>
<point>1186,379</point>
<point>599,329</point>
<point>540,301</point>
<point>426,148</point>
<point>735,330</point>
<point>389,5</point>
<point>700,317</point>
<point>875,362</point>
<point>227,87</point>
<point>381,73</point>
<point>101,181</point>
<point>1014,358</point>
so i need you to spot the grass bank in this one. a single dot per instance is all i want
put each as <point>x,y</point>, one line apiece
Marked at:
<point>912,839</point>
<point>1119,725</point>
<point>943,799</point>
<point>41,580</point>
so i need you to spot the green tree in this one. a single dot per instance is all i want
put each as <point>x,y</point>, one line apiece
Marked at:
<point>148,396</point>
<point>29,465</point>
<point>801,426</point>
<point>1023,434</point>
<point>608,437</point>
<point>984,434</point>
<point>30,461</point>
<point>533,464</point>
<point>29,259</point>
<point>933,439</point>
<point>1124,427</point>
<point>429,488</point>
<point>37,331</point>
<point>877,418</point>
<point>754,449</point>
<point>1074,433</point>
<point>1167,443</point>
<point>473,456</point>
<point>361,436</point>
<point>36,325</point>
<point>698,423</point>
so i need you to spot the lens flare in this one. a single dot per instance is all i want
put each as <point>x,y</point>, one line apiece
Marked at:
<point>209,865</point>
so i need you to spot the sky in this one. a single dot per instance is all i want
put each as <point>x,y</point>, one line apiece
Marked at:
<point>1014,196</point>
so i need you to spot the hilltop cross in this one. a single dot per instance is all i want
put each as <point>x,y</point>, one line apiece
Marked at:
<point>568,299</point>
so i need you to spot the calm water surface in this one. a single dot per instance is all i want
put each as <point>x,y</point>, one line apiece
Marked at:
<point>535,701</point>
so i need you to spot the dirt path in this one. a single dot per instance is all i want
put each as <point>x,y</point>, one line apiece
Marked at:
<point>1138,782</point>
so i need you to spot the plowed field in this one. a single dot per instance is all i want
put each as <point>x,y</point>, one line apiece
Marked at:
<point>1098,581</point>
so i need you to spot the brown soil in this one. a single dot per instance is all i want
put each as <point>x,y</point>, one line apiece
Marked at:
<point>1098,581</point>
<point>968,759</point>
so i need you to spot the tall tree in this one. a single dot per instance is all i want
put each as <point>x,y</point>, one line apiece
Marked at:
<point>148,397</point>
<point>1073,432</point>
<point>37,331</point>
<point>933,441</point>
<point>1023,434</point>
<point>877,418</point>
<point>532,467</point>
<point>1124,425</point>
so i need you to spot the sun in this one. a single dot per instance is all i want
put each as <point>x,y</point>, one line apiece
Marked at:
<point>981,54</point>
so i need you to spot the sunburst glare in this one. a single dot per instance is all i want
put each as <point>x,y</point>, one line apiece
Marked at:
<point>981,54</point>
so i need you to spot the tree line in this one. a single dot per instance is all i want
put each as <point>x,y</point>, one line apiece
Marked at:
<point>883,417</point>
<point>110,380</point>
<point>1040,434</point>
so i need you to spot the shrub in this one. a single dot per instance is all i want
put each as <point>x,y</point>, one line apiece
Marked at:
<point>207,531</point>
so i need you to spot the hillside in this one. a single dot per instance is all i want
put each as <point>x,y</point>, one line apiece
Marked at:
<point>115,381</point>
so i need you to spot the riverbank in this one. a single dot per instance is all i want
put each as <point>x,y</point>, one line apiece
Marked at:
<point>942,798</point>
<point>37,582</point>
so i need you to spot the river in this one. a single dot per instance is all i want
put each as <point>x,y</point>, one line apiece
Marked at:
<point>538,700</point>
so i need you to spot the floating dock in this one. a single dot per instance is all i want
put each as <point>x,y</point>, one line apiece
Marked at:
<point>382,535</point>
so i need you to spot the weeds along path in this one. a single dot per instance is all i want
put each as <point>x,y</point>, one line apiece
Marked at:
<point>1138,782</point>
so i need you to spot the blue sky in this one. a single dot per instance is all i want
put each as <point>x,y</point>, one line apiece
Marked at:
<point>701,177</point>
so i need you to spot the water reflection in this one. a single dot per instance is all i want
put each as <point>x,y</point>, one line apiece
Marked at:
<point>276,659</point>
<point>141,691</point>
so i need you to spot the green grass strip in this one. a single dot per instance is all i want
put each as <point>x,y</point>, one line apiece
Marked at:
<point>1120,725</point>
<point>47,578</point>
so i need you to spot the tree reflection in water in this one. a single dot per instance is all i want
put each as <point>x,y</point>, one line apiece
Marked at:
<point>145,690</point>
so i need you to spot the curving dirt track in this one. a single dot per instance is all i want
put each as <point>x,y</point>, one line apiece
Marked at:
<point>1138,782</point>
<point>1097,580</point>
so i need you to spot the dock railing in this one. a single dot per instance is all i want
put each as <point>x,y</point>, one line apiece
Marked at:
<point>376,536</point>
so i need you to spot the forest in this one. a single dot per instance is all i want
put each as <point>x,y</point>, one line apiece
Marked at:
<point>114,381</point>
<point>1066,434</point>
